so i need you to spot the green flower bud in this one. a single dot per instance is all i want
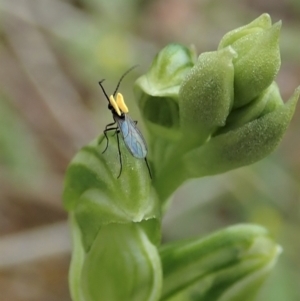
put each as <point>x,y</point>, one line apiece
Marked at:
<point>157,90</point>
<point>214,117</point>
<point>204,117</point>
<point>206,93</point>
<point>122,265</point>
<point>228,265</point>
<point>243,145</point>
<point>258,59</point>
<point>98,197</point>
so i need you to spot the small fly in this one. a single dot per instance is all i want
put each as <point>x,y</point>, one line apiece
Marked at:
<point>131,135</point>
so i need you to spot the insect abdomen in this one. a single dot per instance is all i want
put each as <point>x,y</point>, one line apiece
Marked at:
<point>132,137</point>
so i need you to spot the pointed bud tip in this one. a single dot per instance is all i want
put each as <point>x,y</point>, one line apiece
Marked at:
<point>265,17</point>
<point>263,21</point>
<point>272,34</point>
<point>277,26</point>
<point>279,23</point>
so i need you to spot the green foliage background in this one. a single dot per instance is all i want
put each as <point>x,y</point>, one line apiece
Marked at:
<point>53,53</point>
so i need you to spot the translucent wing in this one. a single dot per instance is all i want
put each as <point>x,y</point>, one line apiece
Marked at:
<point>132,137</point>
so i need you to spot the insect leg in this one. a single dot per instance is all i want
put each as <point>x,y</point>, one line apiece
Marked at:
<point>120,156</point>
<point>148,167</point>
<point>105,134</point>
<point>117,131</point>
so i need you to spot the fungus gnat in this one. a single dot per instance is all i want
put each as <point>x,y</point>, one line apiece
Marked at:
<point>131,135</point>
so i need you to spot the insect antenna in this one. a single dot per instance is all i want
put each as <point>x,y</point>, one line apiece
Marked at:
<point>118,85</point>
<point>103,90</point>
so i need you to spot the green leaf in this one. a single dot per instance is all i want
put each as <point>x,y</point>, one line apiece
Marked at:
<point>96,194</point>
<point>228,265</point>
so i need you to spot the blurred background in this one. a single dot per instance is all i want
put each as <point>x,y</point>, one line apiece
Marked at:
<point>52,54</point>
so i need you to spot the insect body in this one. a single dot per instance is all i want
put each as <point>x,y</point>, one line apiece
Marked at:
<point>131,135</point>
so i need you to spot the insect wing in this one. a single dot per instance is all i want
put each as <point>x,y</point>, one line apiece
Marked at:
<point>133,138</point>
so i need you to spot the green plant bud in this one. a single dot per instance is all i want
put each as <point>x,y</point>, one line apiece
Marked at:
<point>122,265</point>
<point>257,63</point>
<point>206,94</point>
<point>96,194</point>
<point>157,90</point>
<point>168,69</point>
<point>257,25</point>
<point>242,146</point>
<point>229,265</point>
<point>266,102</point>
